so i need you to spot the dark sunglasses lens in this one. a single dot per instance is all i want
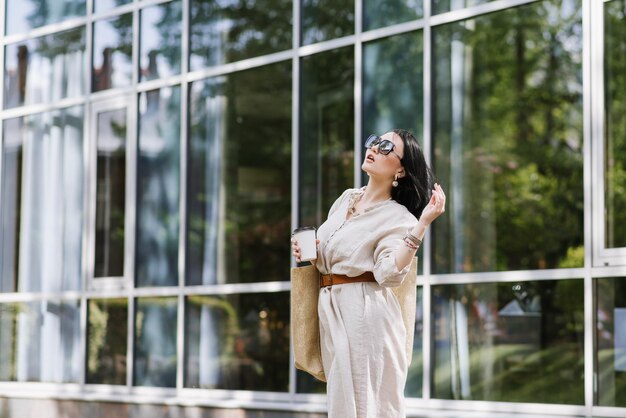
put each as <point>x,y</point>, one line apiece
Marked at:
<point>385,147</point>
<point>371,141</point>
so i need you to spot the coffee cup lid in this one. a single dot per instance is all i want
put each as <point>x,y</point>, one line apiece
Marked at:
<point>303,228</point>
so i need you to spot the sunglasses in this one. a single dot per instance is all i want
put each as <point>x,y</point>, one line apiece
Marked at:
<point>385,146</point>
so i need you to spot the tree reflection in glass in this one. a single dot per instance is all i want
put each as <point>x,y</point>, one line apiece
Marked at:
<point>45,69</point>
<point>392,85</point>
<point>509,342</point>
<point>10,202</point>
<point>610,335</point>
<point>231,30</point>
<point>323,20</point>
<point>46,245</point>
<point>25,15</point>
<point>160,40</point>
<point>40,341</point>
<point>155,342</point>
<point>158,187</point>
<point>238,342</point>
<point>107,331</point>
<point>440,6</point>
<point>110,193</point>
<point>379,13</point>
<point>112,53</point>
<point>326,132</point>
<point>508,139</point>
<point>615,131</point>
<point>239,178</point>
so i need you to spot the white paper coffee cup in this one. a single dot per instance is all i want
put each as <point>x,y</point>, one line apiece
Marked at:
<point>306,240</point>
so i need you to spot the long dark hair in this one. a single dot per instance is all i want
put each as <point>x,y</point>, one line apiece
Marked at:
<point>415,188</point>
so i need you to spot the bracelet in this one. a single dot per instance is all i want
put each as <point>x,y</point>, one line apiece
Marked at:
<point>411,245</point>
<point>415,240</point>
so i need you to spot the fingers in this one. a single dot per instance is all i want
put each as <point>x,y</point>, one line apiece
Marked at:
<point>295,249</point>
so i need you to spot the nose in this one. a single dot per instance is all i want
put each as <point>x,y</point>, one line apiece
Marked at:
<point>374,148</point>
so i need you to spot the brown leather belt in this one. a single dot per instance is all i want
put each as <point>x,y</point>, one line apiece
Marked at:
<point>332,279</point>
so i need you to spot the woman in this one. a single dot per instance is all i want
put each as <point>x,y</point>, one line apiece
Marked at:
<point>368,242</point>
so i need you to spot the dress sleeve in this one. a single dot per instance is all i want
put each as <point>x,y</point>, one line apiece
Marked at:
<point>385,270</point>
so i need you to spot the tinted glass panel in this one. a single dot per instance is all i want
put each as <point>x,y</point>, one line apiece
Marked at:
<point>48,149</point>
<point>10,202</point>
<point>226,31</point>
<point>615,105</point>
<point>239,181</point>
<point>611,341</point>
<point>440,6</point>
<point>326,132</point>
<point>107,332</point>
<point>379,13</point>
<point>416,368</point>
<point>508,139</point>
<point>160,40</point>
<point>24,15</point>
<point>326,19</point>
<point>45,69</point>
<point>100,6</point>
<point>509,342</point>
<point>158,184</point>
<point>40,341</point>
<point>392,85</point>
<point>155,342</point>
<point>110,193</point>
<point>112,53</point>
<point>238,342</point>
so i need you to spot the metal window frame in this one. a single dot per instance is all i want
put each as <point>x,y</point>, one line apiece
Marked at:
<point>602,255</point>
<point>594,266</point>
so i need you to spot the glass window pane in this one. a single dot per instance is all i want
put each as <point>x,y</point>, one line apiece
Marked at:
<point>392,85</point>
<point>45,70</point>
<point>239,179</point>
<point>226,31</point>
<point>379,13</point>
<point>611,341</point>
<point>416,368</point>
<point>238,342</point>
<point>110,193</point>
<point>326,19</point>
<point>40,341</point>
<point>107,341</point>
<point>24,15</point>
<point>10,203</point>
<point>615,105</point>
<point>158,185</point>
<point>112,53</point>
<point>440,6</point>
<point>155,342</point>
<point>326,132</point>
<point>508,139</point>
<point>509,342</point>
<point>100,6</point>
<point>160,41</point>
<point>47,148</point>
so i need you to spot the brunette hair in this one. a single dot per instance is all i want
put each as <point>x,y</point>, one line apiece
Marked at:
<point>415,188</point>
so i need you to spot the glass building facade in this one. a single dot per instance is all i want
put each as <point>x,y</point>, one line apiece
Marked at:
<point>155,156</point>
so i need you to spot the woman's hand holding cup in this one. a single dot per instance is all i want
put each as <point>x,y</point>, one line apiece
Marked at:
<point>308,250</point>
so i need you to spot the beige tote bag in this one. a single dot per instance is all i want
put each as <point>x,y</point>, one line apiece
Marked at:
<point>305,330</point>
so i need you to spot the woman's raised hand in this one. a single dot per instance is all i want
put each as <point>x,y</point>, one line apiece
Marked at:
<point>435,207</point>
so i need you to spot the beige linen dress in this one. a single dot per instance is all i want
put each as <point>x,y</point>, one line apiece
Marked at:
<point>362,334</point>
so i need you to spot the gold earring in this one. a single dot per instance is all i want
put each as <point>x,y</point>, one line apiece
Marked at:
<point>394,183</point>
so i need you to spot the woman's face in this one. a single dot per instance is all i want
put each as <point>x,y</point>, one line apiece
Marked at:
<point>384,166</point>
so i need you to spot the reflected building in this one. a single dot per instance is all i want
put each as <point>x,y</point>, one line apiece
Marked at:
<point>156,155</point>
